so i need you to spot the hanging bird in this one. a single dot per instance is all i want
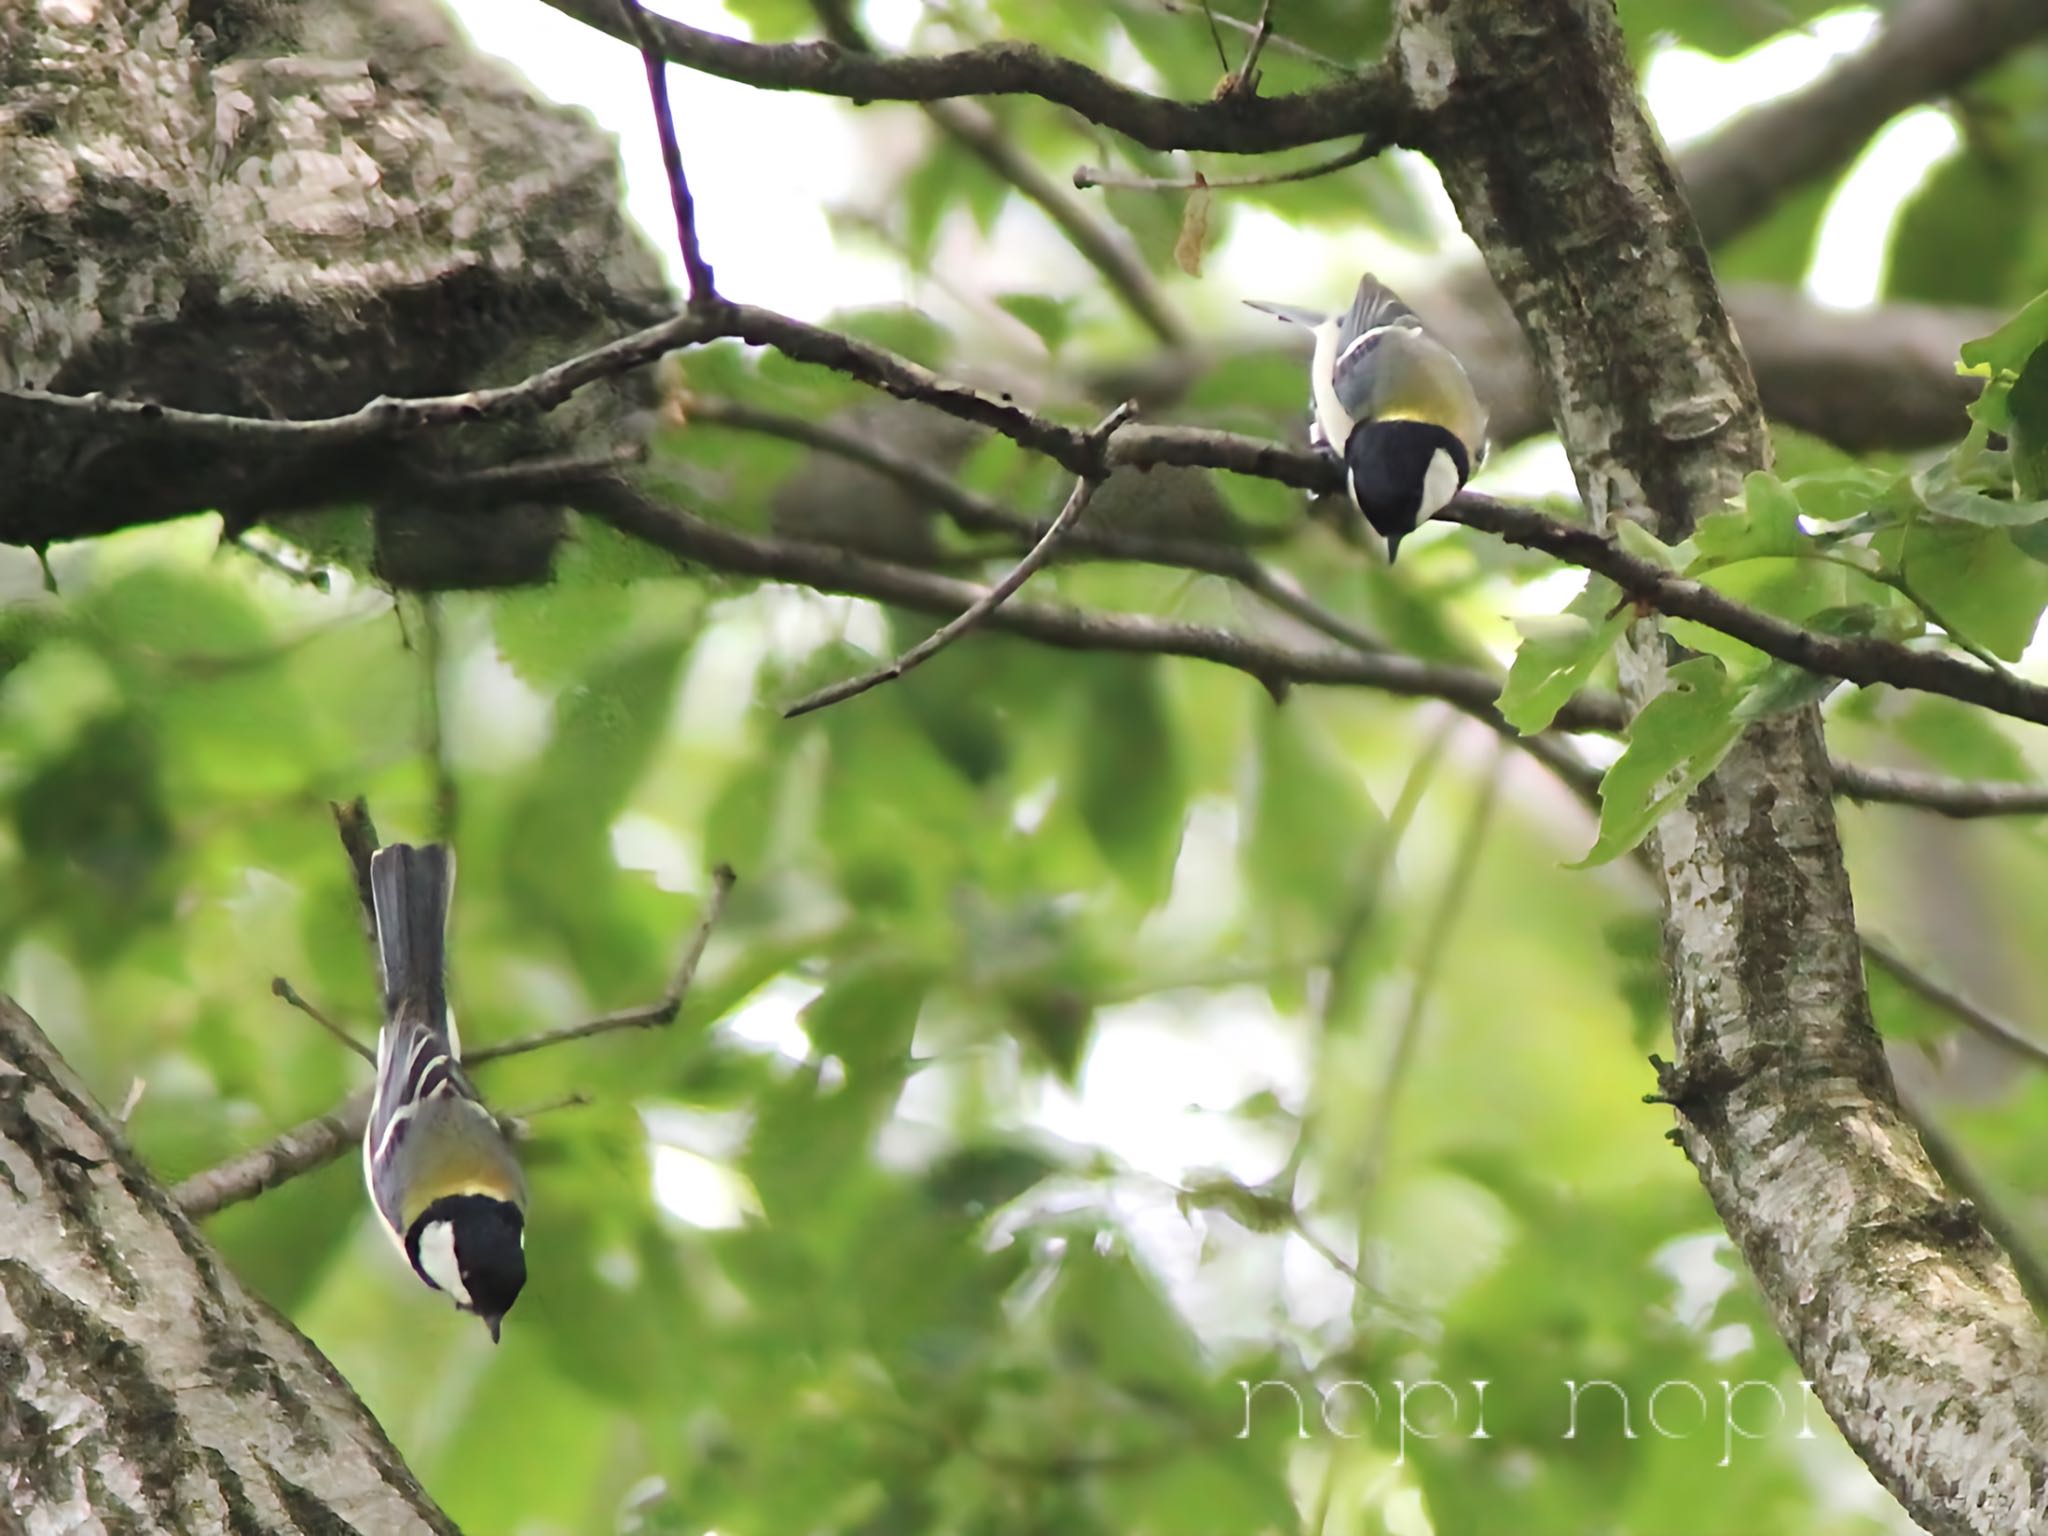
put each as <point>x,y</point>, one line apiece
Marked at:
<point>1395,404</point>
<point>440,1171</point>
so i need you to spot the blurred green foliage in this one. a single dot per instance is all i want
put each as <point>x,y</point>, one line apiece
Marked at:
<point>1013,1166</point>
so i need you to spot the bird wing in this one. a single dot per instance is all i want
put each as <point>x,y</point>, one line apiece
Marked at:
<point>1374,305</point>
<point>1375,311</point>
<point>416,1076</point>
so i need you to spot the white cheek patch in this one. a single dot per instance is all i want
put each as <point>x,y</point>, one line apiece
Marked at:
<point>437,1260</point>
<point>1439,485</point>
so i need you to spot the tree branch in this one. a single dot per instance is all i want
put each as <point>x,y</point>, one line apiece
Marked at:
<point>146,1389</point>
<point>1922,49</point>
<point>830,569</point>
<point>1960,798</point>
<point>1979,1021</point>
<point>319,1141</point>
<point>975,130</point>
<point>703,286</point>
<point>1856,659</point>
<point>1093,176</point>
<point>1861,660</point>
<point>1232,125</point>
<point>978,611</point>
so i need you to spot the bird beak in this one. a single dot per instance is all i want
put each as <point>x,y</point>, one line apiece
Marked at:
<point>1394,546</point>
<point>491,1321</point>
<point>1291,313</point>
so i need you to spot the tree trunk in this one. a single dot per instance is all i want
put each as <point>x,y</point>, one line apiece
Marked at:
<point>141,1388</point>
<point>1893,1300</point>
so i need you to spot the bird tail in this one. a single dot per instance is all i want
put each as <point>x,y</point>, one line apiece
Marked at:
<point>410,888</point>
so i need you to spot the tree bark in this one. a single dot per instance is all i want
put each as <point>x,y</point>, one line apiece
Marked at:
<point>141,1388</point>
<point>1893,1299</point>
<point>281,210</point>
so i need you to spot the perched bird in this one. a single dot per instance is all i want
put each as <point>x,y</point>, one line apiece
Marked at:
<point>440,1171</point>
<point>1395,404</point>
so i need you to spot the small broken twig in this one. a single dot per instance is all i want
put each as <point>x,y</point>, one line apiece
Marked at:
<point>279,987</point>
<point>1033,560</point>
<point>1086,176</point>
<point>652,1016</point>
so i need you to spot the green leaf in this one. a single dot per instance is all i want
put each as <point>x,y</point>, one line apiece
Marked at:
<point>1839,495</point>
<point>2007,349</point>
<point>1782,687</point>
<point>2000,357</point>
<point>868,1015</point>
<point>1645,545</point>
<point>1765,525</point>
<point>1052,319</point>
<point>2028,407</point>
<point>1974,579</point>
<point>1131,784</point>
<point>1558,656</point>
<point>1674,743</point>
<point>1311,819</point>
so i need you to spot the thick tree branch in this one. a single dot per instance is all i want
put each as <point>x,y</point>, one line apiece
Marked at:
<point>1861,660</point>
<point>1963,799</point>
<point>827,568</point>
<point>146,1390</point>
<point>1231,125</point>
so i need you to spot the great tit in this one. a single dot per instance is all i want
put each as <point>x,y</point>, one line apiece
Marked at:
<point>1395,404</point>
<point>440,1171</point>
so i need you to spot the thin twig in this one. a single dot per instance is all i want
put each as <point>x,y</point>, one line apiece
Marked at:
<point>1245,81</point>
<point>1353,927</point>
<point>359,841</point>
<point>314,576</point>
<point>315,1143</point>
<point>1972,1016</point>
<point>1278,41</point>
<point>1215,34</point>
<point>279,987</point>
<point>655,1014</point>
<point>978,514</point>
<point>976,129</point>
<point>703,290</point>
<point>136,1089</point>
<point>1096,176</point>
<point>517,1124</point>
<point>995,596</point>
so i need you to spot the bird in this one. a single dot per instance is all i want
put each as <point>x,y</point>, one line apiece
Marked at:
<point>1394,404</point>
<point>440,1172</point>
